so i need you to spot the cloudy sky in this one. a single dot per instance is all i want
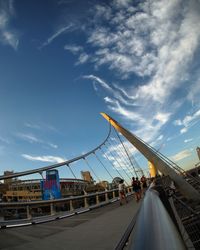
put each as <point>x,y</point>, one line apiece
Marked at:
<point>63,62</point>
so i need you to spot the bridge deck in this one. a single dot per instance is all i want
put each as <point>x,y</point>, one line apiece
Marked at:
<point>100,228</point>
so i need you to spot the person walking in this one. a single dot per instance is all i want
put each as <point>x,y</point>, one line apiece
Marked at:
<point>122,192</point>
<point>136,188</point>
<point>143,180</point>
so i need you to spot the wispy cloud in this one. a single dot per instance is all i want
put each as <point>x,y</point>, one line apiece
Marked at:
<point>98,80</point>
<point>74,49</point>
<point>8,35</point>
<point>53,145</point>
<point>188,121</point>
<point>188,140</point>
<point>34,126</point>
<point>29,137</point>
<point>4,140</point>
<point>44,158</point>
<point>155,41</point>
<point>40,126</point>
<point>181,155</point>
<point>33,139</point>
<point>56,34</point>
<point>146,117</point>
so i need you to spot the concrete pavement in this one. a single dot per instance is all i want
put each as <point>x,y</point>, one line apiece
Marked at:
<point>100,229</point>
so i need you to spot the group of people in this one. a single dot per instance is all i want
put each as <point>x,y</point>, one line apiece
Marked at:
<point>139,188</point>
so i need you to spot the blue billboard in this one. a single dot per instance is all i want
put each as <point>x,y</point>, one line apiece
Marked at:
<point>51,186</point>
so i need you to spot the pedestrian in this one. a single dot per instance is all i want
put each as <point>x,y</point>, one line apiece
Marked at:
<point>144,184</point>
<point>122,192</point>
<point>136,188</point>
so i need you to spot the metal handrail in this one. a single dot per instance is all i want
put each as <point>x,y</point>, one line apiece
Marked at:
<point>154,229</point>
<point>42,202</point>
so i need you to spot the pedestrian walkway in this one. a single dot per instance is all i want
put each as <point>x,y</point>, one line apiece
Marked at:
<point>99,229</point>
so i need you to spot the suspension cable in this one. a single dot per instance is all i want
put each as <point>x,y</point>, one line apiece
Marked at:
<point>135,162</point>
<point>89,166</point>
<point>104,153</point>
<point>168,161</point>
<point>103,165</point>
<point>126,152</point>
<point>71,171</point>
<point>118,161</point>
<point>120,153</point>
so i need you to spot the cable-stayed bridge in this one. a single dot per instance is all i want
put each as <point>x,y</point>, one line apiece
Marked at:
<point>167,218</point>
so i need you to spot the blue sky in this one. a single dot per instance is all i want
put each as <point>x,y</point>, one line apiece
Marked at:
<point>63,62</point>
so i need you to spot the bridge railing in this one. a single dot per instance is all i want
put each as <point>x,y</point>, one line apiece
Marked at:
<point>33,212</point>
<point>154,228</point>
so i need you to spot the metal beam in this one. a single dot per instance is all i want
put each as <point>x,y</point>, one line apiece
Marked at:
<point>185,188</point>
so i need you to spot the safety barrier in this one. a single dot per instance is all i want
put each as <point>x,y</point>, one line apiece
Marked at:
<point>15,214</point>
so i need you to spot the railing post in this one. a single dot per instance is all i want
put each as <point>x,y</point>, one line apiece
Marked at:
<point>28,212</point>
<point>97,199</point>
<point>106,196</point>
<point>52,210</point>
<point>71,205</point>
<point>85,200</point>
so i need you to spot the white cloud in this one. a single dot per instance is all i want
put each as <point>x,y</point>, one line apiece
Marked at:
<point>155,41</point>
<point>188,121</point>
<point>53,145</point>
<point>29,137</point>
<point>162,117</point>
<point>178,123</point>
<point>98,80</point>
<point>181,155</point>
<point>33,139</point>
<point>183,130</point>
<point>74,49</point>
<point>34,126</point>
<point>160,138</point>
<point>8,35</point>
<point>56,34</point>
<point>83,58</point>
<point>4,140</point>
<point>194,92</point>
<point>45,158</point>
<point>109,100</point>
<point>188,140</point>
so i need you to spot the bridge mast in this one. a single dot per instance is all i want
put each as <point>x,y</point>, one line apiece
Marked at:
<point>185,188</point>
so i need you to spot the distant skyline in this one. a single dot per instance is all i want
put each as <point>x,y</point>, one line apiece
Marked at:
<point>63,62</point>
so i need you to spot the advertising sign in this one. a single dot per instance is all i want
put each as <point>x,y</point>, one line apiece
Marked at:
<point>51,186</point>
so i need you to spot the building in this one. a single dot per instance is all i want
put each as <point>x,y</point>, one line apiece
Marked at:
<point>87,176</point>
<point>29,190</point>
<point>6,173</point>
<point>34,189</point>
<point>104,184</point>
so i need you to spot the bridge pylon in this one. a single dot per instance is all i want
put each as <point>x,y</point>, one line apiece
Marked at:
<point>160,164</point>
